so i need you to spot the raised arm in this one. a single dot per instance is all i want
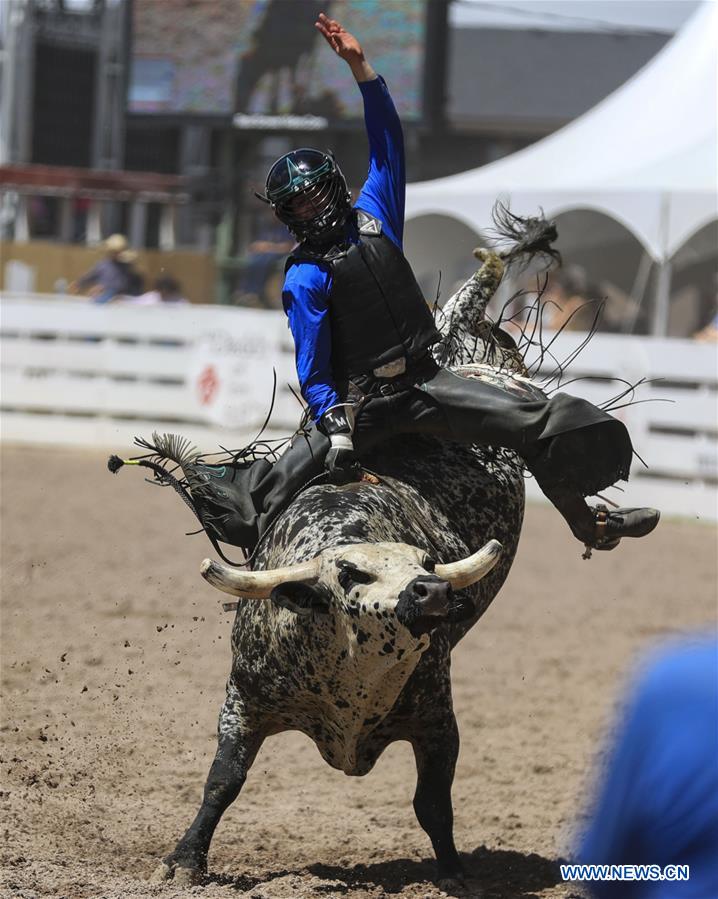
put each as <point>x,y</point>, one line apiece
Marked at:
<point>346,46</point>
<point>384,189</point>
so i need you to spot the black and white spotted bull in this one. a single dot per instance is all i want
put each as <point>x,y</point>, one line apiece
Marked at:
<point>345,627</point>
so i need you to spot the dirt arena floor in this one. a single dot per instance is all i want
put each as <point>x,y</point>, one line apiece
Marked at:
<point>114,658</point>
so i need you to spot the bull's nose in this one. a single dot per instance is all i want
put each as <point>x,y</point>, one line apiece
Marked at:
<point>431,595</point>
<point>424,603</point>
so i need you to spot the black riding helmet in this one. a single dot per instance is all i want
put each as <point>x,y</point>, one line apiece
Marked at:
<point>308,193</point>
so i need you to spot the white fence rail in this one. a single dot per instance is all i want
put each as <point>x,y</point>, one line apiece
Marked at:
<point>79,374</point>
<point>84,375</point>
<point>673,423</point>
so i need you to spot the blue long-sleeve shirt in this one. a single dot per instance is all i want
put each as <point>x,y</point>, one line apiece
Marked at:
<point>307,285</point>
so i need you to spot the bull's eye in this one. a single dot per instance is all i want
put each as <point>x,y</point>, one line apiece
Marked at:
<point>428,563</point>
<point>349,577</point>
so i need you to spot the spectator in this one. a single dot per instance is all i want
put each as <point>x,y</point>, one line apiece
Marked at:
<point>265,259</point>
<point>165,291</point>
<point>567,295</point>
<point>684,310</point>
<point>114,275</point>
<point>620,311</point>
<point>659,801</point>
<point>709,332</point>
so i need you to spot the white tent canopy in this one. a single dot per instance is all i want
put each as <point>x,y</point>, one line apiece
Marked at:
<point>647,155</point>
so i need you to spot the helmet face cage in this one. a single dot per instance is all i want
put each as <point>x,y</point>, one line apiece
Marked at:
<point>308,192</point>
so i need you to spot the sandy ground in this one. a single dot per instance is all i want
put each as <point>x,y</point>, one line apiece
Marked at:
<point>114,657</point>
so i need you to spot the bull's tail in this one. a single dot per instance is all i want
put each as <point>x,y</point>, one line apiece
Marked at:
<point>528,237</point>
<point>467,335</point>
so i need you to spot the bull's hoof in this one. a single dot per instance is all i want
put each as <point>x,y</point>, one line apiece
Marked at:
<point>454,883</point>
<point>188,877</point>
<point>457,886</point>
<point>178,875</point>
<point>162,873</point>
<point>450,883</point>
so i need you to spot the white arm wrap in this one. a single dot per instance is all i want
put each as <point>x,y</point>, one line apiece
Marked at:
<point>341,441</point>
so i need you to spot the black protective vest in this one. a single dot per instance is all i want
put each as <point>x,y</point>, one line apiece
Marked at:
<point>377,311</point>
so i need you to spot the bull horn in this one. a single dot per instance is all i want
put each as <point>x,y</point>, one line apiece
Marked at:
<point>255,584</point>
<point>468,571</point>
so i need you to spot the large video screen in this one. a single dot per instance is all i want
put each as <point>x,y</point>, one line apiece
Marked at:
<point>264,57</point>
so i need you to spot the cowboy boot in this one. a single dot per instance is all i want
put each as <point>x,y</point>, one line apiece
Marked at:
<point>610,525</point>
<point>599,527</point>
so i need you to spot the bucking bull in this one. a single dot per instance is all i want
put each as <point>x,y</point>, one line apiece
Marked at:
<point>344,627</point>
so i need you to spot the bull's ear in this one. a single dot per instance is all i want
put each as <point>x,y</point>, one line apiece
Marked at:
<point>300,597</point>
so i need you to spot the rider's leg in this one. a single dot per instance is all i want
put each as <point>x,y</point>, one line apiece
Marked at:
<point>302,461</point>
<point>572,448</point>
<point>558,469</point>
<point>238,502</point>
<point>598,526</point>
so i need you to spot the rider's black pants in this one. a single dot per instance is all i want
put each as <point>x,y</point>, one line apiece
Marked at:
<point>570,446</point>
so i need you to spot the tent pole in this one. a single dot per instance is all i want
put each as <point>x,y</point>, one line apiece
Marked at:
<point>638,291</point>
<point>665,270</point>
<point>662,300</point>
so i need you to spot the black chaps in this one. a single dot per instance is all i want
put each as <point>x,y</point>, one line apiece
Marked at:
<point>567,443</point>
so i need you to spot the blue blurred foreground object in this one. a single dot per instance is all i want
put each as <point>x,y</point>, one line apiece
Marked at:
<point>658,803</point>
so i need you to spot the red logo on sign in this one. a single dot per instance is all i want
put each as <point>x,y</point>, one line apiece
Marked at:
<point>208,384</point>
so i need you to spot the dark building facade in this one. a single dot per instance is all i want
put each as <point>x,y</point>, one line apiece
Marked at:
<point>487,92</point>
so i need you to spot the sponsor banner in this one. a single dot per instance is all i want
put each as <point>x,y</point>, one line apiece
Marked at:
<point>231,375</point>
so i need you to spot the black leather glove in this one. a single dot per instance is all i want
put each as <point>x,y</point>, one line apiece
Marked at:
<point>341,462</point>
